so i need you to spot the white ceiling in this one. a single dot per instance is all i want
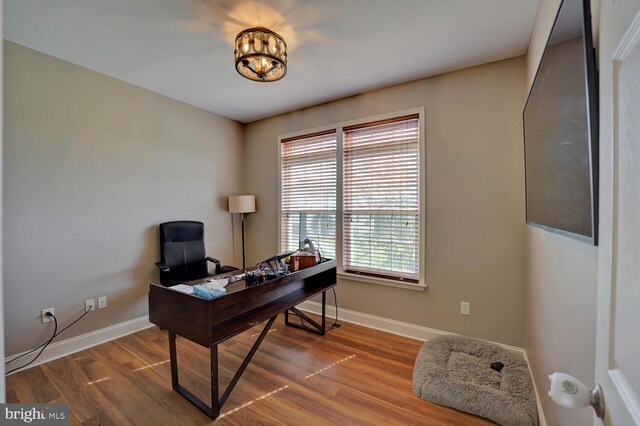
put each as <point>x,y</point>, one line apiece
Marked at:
<point>184,48</point>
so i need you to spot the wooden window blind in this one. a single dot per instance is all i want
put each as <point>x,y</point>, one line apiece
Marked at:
<point>308,191</point>
<point>381,199</point>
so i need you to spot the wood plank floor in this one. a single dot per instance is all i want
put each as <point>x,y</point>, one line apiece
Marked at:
<point>354,375</point>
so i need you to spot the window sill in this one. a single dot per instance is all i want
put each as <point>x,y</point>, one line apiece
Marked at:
<point>382,281</point>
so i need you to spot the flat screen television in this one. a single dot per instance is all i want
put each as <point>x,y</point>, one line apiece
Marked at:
<point>561,130</point>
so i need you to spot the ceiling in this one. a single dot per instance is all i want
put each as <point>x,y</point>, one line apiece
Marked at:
<point>184,48</point>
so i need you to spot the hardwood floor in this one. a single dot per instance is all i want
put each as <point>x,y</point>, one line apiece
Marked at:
<point>353,375</point>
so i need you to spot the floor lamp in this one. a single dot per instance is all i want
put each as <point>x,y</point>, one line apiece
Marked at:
<point>242,204</point>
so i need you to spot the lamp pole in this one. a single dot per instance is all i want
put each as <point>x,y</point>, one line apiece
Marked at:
<point>243,261</point>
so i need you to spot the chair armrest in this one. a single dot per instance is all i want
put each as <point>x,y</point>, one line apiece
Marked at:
<point>162,267</point>
<point>213,260</point>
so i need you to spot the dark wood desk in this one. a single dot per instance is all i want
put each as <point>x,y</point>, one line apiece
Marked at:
<point>210,322</point>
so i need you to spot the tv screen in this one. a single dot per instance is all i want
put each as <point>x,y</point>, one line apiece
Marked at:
<point>560,129</point>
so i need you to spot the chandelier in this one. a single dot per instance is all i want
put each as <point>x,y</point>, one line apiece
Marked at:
<point>261,54</point>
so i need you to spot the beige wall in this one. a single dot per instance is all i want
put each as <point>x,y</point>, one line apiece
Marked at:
<point>561,285</point>
<point>91,166</point>
<point>475,198</point>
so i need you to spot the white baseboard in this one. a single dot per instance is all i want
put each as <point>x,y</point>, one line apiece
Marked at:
<point>400,328</point>
<point>541,419</point>
<point>84,341</point>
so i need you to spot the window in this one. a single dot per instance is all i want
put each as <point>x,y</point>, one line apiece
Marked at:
<point>308,192</point>
<point>381,199</point>
<point>370,172</point>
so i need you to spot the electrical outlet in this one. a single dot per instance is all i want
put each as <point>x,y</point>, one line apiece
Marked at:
<point>45,318</point>
<point>102,302</point>
<point>464,308</point>
<point>90,305</point>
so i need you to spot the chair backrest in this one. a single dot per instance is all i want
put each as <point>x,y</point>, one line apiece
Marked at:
<point>182,250</point>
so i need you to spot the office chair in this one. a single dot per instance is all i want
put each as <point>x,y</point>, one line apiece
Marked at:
<point>182,253</point>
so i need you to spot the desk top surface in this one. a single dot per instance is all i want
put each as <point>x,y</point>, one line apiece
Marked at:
<point>239,284</point>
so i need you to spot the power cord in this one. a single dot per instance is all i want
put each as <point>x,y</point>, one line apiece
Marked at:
<point>335,304</point>
<point>55,330</point>
<point>335,321</point>
<point>56,333</point>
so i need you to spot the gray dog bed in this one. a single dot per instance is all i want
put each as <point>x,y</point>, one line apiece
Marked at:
<point>456,371</point>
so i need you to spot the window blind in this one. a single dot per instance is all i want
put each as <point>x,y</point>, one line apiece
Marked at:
<point>381,199</point>
<point>308,191</point>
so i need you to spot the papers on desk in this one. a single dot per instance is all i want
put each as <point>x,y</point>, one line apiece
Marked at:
<point>220,282</point>
<point>209,285</point>
<point>208,290</point>
<point>183,288</point>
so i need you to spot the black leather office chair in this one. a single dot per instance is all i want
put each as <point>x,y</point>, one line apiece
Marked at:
<point>182,252</point>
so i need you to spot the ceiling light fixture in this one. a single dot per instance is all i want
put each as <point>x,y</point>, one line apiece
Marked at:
<point>261,54</point>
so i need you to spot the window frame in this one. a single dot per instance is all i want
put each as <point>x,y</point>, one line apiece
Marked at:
<point>338,127</point>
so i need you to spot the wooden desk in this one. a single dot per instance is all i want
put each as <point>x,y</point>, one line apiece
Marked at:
<point>210,322</point>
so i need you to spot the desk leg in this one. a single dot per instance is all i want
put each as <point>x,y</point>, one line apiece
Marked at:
<point>315,327</point>
<point>174,361</point>
<point>214,410</point>
<point>215,404</point>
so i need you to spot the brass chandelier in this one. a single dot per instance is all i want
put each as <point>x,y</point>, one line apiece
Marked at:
<point>261,54</point>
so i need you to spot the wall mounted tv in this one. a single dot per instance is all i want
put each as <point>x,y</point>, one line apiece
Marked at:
<point>561,130</point>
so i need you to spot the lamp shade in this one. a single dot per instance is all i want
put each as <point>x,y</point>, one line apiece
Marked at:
<point>242,204</point>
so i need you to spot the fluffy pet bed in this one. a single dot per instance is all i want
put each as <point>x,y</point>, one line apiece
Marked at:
<point>457,371</point>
